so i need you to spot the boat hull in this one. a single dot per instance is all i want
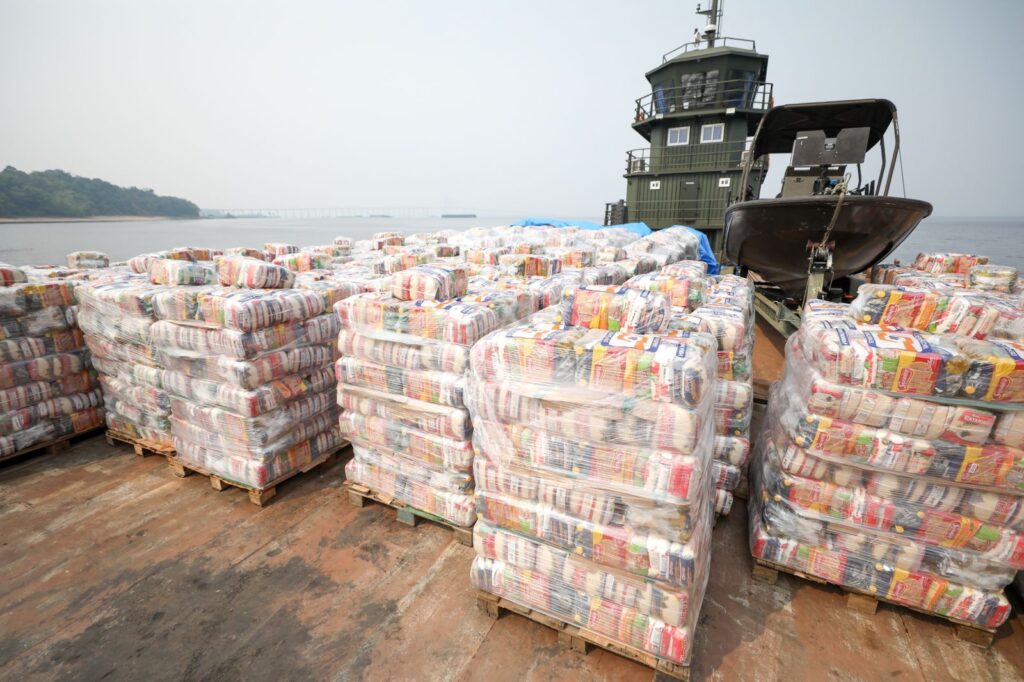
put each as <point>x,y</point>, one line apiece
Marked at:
<point>770,236</point>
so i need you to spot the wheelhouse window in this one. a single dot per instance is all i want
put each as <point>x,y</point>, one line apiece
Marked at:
<point>678,137</point>
<point>712,132</point>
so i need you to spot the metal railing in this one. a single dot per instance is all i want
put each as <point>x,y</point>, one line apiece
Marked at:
<point>719,42</point>
<point>689,157</point>
<point>703,213</point>
<point>704,94</point>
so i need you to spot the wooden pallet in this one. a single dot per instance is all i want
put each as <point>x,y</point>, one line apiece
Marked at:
<point>866,602</point>
<point>581,639</point>
<point>142,448</point>
<point>358,494</point>
<point>52,447</point>
<point>257,495</point>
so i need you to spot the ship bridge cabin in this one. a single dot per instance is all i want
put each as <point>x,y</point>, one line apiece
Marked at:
<point>706,100</point>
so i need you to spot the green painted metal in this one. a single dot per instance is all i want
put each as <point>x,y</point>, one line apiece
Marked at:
<point>693,183</point>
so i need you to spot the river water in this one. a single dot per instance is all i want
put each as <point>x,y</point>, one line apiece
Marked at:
<point>40,243</point>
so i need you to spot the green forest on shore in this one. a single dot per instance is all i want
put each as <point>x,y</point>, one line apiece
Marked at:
<point>58,194</point>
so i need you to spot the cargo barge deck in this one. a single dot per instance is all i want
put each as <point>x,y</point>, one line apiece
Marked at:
<point>115,569</point>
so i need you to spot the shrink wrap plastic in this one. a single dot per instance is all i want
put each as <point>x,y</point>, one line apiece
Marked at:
<point>727,314</point>
<point>941,263</point>
<point>181,273</point>
<point>460,321</point>
<point>280,249</point>
<point>303,261</point>
<point>890,460</point>
<point>332,285</point>
<point>431,283</point>
<point>48,388</point>
<point>616,309</point>
<point>249,378</point>
<point>529,265</point>
<point>250,273</point>
<point>11,274</point>
<point>945,311</point>
<point>1001,278</point>
<point>117,318</point>
<point>685,292</point>
<point>237,309</point>
<point>401,385</point>
<point>88,259</point>
<point>594,470</point>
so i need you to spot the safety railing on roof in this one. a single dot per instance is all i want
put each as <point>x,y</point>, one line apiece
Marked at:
<point>719,42</point>
<point>701,92</point>
<point>689,157</point>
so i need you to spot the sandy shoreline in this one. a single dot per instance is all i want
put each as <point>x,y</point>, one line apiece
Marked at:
<point>92,219</point>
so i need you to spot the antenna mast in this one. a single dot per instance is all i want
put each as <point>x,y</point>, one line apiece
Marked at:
<point>714,19</point>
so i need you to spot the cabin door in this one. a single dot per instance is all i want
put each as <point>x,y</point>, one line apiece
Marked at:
<point>689,205</point>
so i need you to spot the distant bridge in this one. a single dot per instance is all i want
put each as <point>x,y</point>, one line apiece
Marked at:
<point>389,212</point>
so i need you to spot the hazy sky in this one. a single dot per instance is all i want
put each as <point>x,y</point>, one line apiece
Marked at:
<point>494,106</point>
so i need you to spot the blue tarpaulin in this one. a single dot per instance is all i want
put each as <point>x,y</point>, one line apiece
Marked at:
<point>706,254</point>
<point>639,228</point>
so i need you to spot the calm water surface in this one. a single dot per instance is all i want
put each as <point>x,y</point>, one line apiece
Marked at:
<point>38,243</point>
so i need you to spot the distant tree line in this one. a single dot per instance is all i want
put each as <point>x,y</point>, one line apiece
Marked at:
<point>54,193</point>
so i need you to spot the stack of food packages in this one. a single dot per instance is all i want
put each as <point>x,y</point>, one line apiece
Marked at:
<point>116,315</point>
<point>48,388</point>
<point>891,460</point>
<point>247,369</point>
<point>950,271</point>
<point>723,307</point>
<point>593,432</point>
<point>401,385</point>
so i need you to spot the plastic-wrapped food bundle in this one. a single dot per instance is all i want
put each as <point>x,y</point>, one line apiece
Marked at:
<point>939,263</point>
<point>406,258</point>
<point>181,273</point>
<point>334,286</point>
<point>683,292</point>
<point>529,265</point>
<point>117,319</point>
<point>460,321</point>
<point>11,274</point>
<point>690,269</point>
<point>238,309</point>
<point>250,273</point>
<point>615,308</point>
<point>571,257</point>
<point>594,467</point>
<point>249,378</point>
<point>430,282</point>
<point>912,362</point>
<point>389,238</point>
<point>88,259</point>
<point>666,246</point>
<point>959,312</point>
<point>728,317</point>
<point>605,274</point>
<point>401,384</point>
<point>48,388</point>
<point>1001,278</point>
<point>280,249</point>
<point>890,462</point>
<point>247,251</point>
<point>304,261</point>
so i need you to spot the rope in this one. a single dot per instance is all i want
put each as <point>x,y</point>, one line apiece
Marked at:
<point>841,188</point>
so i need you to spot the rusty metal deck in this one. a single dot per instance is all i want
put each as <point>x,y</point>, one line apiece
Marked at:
<point>112,568</point>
